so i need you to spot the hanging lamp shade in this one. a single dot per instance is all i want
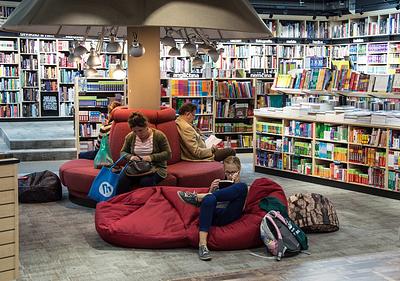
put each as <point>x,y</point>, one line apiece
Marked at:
<point>224,19</point>
<point>174,52</point>
<point>113,46</point>
<point>93,59</point>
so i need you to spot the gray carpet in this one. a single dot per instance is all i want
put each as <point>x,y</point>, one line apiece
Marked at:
<point>58,241</point>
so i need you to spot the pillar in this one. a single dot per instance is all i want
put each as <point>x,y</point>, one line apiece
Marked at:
<point>144,72</point>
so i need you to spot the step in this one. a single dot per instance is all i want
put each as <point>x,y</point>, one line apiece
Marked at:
<point>3,146</point>
<point>41,143</point>
<point>44,154</point>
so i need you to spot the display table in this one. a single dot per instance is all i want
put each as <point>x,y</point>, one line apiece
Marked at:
<point>9,243</point>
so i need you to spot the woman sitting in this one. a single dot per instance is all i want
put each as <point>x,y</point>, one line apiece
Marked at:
<point>221,205</point>
<point>148,144</point>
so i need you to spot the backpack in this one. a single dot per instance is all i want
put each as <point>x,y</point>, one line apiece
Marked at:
<point>281,236</point>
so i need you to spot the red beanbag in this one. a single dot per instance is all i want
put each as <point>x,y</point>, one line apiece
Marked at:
<point>154,217</point>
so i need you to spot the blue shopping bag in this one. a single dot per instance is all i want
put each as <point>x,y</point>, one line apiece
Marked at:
<point>104,185</point>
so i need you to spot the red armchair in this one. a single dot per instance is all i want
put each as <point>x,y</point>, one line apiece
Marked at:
<point>77,175</point>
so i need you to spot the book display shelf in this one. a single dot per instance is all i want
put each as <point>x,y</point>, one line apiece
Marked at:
<point>37,80</point>
<point>92,97</point>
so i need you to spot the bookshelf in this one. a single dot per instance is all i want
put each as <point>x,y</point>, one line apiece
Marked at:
<point>336,151</point>
<point>92,96</point>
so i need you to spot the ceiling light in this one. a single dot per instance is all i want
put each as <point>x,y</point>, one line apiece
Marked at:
<point>214,55</point>
<point>168,41</point>
<point>91,72</point>
<point>118,72</point>
<point>113,46</point>
<point>361,12</point>
<point>93,59</point>
<point>72,58</point>
<point>204,47</point>
<point>137,49</point>
<point>271,16</point>
<point>80,50</point>
<point>190,48</point>
<point>197,62</point>
<point>174,52</point>
<point>314,17</point>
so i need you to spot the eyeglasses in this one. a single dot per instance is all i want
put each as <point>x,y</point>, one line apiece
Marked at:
<point>228,173</point>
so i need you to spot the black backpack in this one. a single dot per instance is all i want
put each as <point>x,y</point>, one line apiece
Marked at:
<point>39,187</point>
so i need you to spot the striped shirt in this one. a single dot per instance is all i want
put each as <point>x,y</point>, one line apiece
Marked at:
<point>144,148</point>
<point>104,131</point>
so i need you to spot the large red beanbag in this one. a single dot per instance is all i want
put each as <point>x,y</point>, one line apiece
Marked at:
<point>154,217</point>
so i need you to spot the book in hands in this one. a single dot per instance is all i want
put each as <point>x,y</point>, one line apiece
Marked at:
<point>212,140</point>
<point>225,183</point>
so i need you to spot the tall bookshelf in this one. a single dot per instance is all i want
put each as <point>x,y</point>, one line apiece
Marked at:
<point>92,96</point>
<point>9,77</point>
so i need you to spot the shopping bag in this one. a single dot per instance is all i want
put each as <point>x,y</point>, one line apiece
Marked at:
<point>105,184</point>
<point>103,157</point>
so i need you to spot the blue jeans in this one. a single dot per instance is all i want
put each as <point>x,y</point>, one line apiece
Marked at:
<point>90,155</point>
<point>126,183</point>
<point>235,195</point>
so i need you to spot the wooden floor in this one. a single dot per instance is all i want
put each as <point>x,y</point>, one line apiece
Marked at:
<point>59,242</point>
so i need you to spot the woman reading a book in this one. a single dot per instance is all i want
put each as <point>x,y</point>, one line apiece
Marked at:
<point>223,204</point>
<point>193,147</point>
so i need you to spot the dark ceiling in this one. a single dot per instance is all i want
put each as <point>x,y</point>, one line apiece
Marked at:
<point>320,8</point>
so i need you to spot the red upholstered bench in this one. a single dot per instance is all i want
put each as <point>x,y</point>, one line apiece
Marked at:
<point>78,175</point>
<point>154,217</point>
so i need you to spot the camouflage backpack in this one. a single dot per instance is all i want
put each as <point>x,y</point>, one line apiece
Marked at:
<point>313,212</point>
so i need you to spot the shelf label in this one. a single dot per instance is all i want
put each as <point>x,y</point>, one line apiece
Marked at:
<point>291,41</point>
<point>269,41</point>
<point>358,40</point>
<point>35,35</point>
<point>186,75</point>
<point>318,42</point>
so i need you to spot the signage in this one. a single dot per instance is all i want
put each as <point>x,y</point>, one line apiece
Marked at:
<point>269,41</point>
<point>186,75</point>
<point>359,40</point>
<point>49,104</point>
<point>291,41</point>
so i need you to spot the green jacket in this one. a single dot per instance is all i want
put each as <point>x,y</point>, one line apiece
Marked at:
<point>161,151</point>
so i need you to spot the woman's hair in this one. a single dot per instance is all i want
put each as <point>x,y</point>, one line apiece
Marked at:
<point>187,107</point>
<point>136,119</point>
<point>113,105</point>
<point>233,160</point>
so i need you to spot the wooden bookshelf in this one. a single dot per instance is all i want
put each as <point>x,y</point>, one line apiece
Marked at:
<point>376,172</point>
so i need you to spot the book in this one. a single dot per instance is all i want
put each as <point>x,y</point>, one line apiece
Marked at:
<point>212,140</point>
<point>225,183</point>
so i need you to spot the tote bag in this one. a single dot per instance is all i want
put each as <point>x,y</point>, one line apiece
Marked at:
<point>105,184</point>
<point>103,156</point>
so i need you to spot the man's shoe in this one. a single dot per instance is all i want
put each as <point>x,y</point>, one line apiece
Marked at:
<point>189,197</point>
<point>204,253</point>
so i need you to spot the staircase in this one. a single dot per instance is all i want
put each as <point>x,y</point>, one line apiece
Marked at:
<point>39,140</point>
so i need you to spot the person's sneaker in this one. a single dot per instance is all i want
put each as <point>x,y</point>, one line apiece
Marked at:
<point>204,253</point>
<point>188,197</point>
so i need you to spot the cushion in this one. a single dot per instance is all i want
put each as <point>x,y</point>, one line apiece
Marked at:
<point>171,132</point>
<point>196,174</point>
<point>155,217</point>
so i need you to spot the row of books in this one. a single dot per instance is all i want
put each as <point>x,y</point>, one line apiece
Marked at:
<point>66,109</point>
<point>89,130</point>
<point>299,129</point>
<point>48,46</point>
<point>175,65</point>
<point>233,110</point>
<point>333,171</point>
<point>9,58</point>
<point>9,84</point>
<point>297,147</point>
<point>30,63</point>
<point>270,160</point>
<point>29,79</point>
<point>376,137</point>
<point>10,110</point>
<point>92,101</point>
<point>232,127</point>
<point>271,101</point>
<point>330,151</point>
<point>87,145</point>
<point>29,46</point>
<point>394,159</point>
<point>394,139</point>
<point>91,116</point>
<point>30,110</point>
<point>68,75</point>
<point>9,71</point>
<point>236,63</point>
<point>373,177</point>
<point>9,97</point>
<point>48,72</point>
<point>288,65</point>
<point>66,94</point>
<point>267,127</point>
<point>394,181</point>
<point>234,89</point>
<point>190,87</point>
<point>291,52</point>
<point>331,132</point>
<point>367,155</point>
<point>296,164</point>
<point>49,86</point>
<point>204,106</point>
<point>48,59</point>
<point>111,86</point>
<point>236,51</point>
<point>269,143</point>
<point>239,142</point>
<point>30,94</point>
<point>269,62</point>
<point>204,123</point>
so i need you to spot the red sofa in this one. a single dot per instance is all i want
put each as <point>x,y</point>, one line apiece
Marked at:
<point>77,175</point>
<point>155,217</point>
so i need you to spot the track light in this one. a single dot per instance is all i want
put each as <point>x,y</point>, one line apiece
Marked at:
<point>91,72</point>
<point>80,50</point>
<point>327,17</point>
<point>398,7</point>
<point>118,72</point>
<point>341,3</point>
<point>174,52</point>
<point>93,59</point>
<point>112,46</point>
<point>271,16</point>
<point>340,14</point>
<point>301,2</point>
<point>361,12</point>
<point>314,17</point>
